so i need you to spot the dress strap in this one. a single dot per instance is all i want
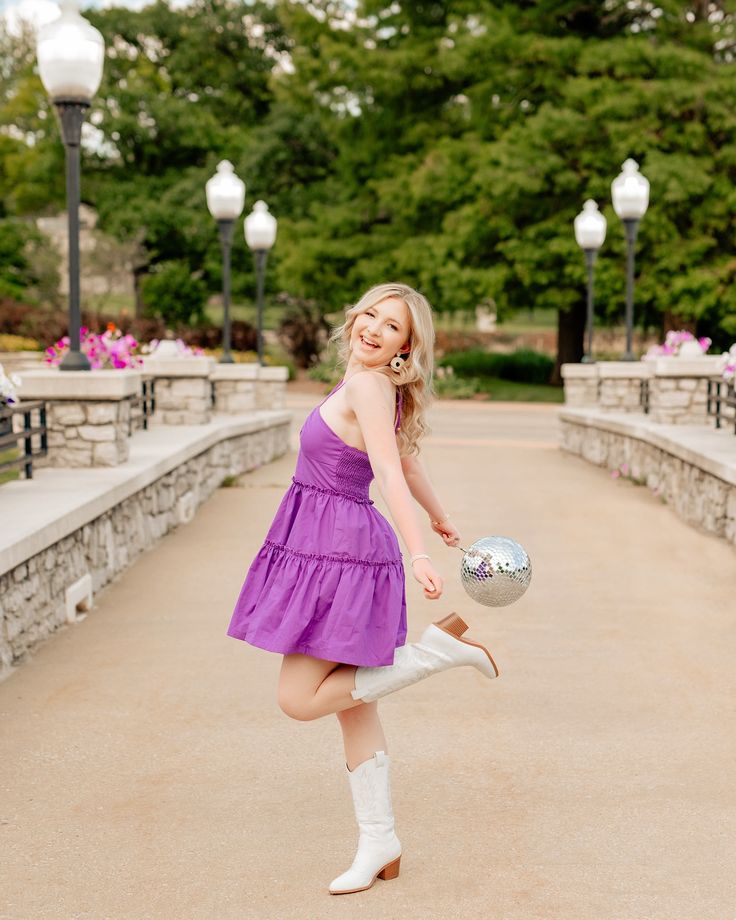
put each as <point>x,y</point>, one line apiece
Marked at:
<point>333,390</point>
<point>399,399</point>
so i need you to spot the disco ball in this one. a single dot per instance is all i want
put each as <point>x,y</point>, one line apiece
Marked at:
<point>495,571</point>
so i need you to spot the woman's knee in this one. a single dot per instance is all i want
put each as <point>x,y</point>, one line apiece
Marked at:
<point>295,706</point>
<point>299,681</point>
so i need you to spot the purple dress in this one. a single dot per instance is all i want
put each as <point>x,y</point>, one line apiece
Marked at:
<point>329,579</point>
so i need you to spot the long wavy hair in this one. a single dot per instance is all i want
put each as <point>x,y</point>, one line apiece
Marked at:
<point>415,376</point>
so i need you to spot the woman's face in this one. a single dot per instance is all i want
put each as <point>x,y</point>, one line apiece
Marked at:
<point>380,332</point>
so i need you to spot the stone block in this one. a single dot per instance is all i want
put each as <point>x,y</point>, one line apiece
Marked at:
<point>56,437</point>
<point>98,433</point>
<point>79,386</point>
<point>110,453</point>
<point>73,455</point>
<point>183,387</point>
<point>66,413</point>
<point>239,402</point>
<point>670,399</point>
<point>102,413</point>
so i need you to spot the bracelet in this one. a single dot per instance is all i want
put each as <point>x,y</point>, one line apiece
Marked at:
<point>418,556</point>
<point>441,521</point>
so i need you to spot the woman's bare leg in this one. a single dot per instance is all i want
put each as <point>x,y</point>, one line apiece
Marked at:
<point>310,688</point>
<point>362,733</point>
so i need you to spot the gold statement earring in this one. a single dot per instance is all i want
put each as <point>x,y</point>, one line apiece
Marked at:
<point>397,362</point>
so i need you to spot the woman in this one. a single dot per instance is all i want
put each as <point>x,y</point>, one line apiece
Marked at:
<point>326,590</point>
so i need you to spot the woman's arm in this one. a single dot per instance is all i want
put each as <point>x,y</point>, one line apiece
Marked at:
<point>371,399</point>
<point>421,488</point>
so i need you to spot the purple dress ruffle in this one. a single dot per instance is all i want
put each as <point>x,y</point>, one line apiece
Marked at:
<point>329,579</point>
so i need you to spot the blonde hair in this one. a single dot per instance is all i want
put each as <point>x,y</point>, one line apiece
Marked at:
<point>415,376</point>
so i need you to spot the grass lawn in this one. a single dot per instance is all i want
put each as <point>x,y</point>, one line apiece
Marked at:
<point>522,321</point>
<point>493,388</point>
<point>8,475</point>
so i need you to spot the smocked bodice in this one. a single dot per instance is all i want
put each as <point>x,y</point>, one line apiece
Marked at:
<point>326,462</point>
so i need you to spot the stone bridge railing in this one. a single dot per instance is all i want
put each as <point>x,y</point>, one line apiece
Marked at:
<point>651,419</point>
<point>670,390</point>
<point>89,412</point>
<point>71,529</point>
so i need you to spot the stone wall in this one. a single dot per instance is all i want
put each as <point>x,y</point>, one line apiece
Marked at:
<point>182,401</point>
<point>581,384</point>
<point>33,593</point>
<point>620,395</point>
<point>678,400</point>
<point>677,387</point>
<point>697,495</point>
<point>88,414</point>
<point>87,433</point>
<point>271,387</point>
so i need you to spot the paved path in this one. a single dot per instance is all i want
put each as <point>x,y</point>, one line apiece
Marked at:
<point>146,771</point>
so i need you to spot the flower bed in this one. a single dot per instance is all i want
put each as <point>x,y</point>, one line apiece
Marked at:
<point>111,350</point>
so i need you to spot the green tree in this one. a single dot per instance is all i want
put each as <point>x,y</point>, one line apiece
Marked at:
<point>174,294</point>
<point>28,267</point>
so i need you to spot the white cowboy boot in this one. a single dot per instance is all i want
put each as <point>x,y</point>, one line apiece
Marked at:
<point>439,648</point>
<point>379,849</point>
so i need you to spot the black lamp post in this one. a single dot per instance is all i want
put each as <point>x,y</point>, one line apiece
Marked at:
<point>71,55</point>
<point>260,235</point>
<point>225,199</point>
<point>590,232</point>
<point>630,193</point>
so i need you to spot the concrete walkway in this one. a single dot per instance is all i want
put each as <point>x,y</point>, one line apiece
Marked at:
<point>147,772</point>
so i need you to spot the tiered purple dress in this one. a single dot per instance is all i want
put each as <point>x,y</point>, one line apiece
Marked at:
<point>329,579</point>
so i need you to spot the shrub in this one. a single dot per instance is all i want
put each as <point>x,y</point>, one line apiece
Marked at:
<point>303,330</point>
<point>455,388</point>
<point>325,372</point>
<point>24,319</point>
<point>243,336</point>
<point>47,326</point>
<point>523,365</point>
<point>173,293</point>
<point>29,266</point>
<point>18,343</point>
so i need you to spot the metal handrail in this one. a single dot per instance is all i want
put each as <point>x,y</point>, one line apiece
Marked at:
<point>721,397</point>
<point>146,401</point>
<point>10,439</point>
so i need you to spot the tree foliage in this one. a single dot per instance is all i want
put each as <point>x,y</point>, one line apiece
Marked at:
<point>446,144</point>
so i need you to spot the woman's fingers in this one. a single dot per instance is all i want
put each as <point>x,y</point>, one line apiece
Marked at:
<point>428,578</point>
<point>432,585</point>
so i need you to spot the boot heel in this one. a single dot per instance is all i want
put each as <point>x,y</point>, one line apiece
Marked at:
<point>453,624</point>
<point>391,870</point>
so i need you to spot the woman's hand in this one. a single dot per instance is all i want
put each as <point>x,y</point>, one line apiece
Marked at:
<point>447,531</point>
<point>431,580</point>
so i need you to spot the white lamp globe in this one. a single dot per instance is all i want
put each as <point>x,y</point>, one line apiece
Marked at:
<point>71,54</point>
<point>225,193</point>
<point>590,226</point>
<point>630,192</point>
<point>260,227</point>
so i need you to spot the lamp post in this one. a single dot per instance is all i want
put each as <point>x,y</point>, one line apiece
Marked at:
<point>590,232</point>
<point>70,55</point>
<point>630,193</point>
<point>260,235</point>
<point>225,199</point>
